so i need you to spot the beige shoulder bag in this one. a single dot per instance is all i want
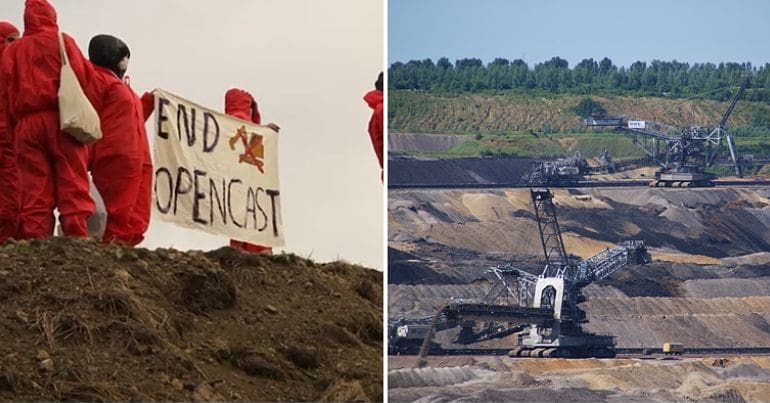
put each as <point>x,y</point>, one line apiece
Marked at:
<point>77,116</point>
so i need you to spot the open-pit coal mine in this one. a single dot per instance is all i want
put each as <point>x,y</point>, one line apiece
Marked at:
<point>707,286</point>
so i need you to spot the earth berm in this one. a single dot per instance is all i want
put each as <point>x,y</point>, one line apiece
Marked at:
<point>83,321</point>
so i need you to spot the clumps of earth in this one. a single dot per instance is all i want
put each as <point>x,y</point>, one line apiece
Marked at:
<point>84,321</point>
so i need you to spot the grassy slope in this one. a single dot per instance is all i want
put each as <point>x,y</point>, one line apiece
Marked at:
<point>589,144</point>
<point>527,125</point>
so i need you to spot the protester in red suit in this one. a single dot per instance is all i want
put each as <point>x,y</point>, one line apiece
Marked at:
<point>52,165</point>
<point>374,100</point>
<point>9,204</point>
<point>120,163</point>
<point>240,104</point>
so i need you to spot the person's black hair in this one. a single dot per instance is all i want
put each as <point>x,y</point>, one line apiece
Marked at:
<point>378,83</point>
<point>107,51</point>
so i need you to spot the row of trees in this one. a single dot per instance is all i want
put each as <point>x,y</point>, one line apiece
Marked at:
<point>657,78</point>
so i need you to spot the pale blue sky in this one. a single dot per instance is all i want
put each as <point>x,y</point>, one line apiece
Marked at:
<point>623,30</point>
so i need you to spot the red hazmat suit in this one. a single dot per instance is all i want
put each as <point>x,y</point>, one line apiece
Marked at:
<point>52,165</point>
<point>142,211</point>
<point>374,100</point>
<point>9,202</point>
<point>238,103</point>
<point>120,160</point>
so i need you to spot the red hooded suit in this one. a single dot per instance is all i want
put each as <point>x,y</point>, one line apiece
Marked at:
<point>238,103</point>
<point>120,161</point>
<point>9,208</point>
<point>374,100</point>
<point>52,165</point>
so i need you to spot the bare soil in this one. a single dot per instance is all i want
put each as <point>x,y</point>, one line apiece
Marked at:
<point>679,225</point>
<point>708,248</point>
<point>399,142</point>
<point>489,378</point>
<point>83,321</point>
<point>456,171</point>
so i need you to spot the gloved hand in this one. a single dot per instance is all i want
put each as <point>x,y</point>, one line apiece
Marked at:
<point>148,104</point>
<point>255,117</point>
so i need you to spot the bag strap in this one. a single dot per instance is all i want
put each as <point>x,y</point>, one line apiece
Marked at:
<point>63,50</point>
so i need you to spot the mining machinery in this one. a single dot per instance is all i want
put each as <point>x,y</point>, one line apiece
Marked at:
<point>569,171</point>
<point>542,309</point>
<point>559,172</point>
<point>682,153</point>
<point>558,288</point>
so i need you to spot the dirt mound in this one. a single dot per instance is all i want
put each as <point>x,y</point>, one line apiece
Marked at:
<point>405,268</point>
<point>727,287</point>
<point>636,173</point>
<point>688,225</point>
<point>84,321</point>
<point>456,171</point>
<point>697,322</point>
<point>746,370</point>
<point>665,255</point>
<point>444,376</point>
<point>658,279</point>
<point>754,258</point>
<point>503,394</point>
<point>416,301</point>
<point>732,379</point>
<point>398,142</point>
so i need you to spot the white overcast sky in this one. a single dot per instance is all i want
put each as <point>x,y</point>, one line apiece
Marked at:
<point>307,62</point>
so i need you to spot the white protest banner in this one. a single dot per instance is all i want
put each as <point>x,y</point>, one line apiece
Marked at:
<point>215,173</point>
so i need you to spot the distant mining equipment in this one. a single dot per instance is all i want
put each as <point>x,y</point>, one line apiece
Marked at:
<point>570,171</point>
<point>683,153</point>
<point>560,172</point>
<point>543,310</point>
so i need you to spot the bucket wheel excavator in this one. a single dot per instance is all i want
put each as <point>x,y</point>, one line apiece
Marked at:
<point>558,288</point>
<point>542,309</point>
<point>682,153</point>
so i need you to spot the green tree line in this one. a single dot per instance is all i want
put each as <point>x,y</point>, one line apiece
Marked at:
<point>589,77</point>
